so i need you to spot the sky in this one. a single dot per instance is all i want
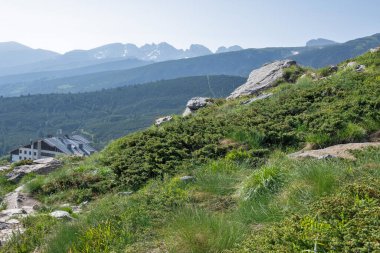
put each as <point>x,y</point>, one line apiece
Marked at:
<point>63,25</point>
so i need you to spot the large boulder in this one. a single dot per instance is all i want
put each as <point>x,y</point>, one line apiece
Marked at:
<point>262,78</point>
<point>40,166</point>
<point>195,104</point>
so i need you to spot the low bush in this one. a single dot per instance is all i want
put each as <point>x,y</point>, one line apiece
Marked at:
<point>347,222</point>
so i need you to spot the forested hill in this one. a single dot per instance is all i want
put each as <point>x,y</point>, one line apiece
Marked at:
<point>105,114</point>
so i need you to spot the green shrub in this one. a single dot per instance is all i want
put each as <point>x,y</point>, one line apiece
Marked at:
<point>252,138</point>
<point>114,223</point>
<point>347,222</point>
<point>292,73</point>
<point>35,185</point>
<point>351,133</point>
<point>21,162</point>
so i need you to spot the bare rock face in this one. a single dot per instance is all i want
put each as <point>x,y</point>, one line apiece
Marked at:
<point>340,151</point>
<point>195,104</point>
<point>40,166</point>
<point>374,50</point>
<point>262,78</point>
<point>159,121</point>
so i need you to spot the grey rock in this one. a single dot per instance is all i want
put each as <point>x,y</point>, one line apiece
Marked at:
<point>374,50</point>
<point>195,104</point>
<point>84,203</point>
<point>260,97</point>
<point>159,121</point>
<point>187,112</point>
<point>357,67</point>
<point>262,78</point>
<point>187,178</point>
<point>198,102</point>
<point>333,68</point>
<point>4,168</point>
<point>326,156</point>
<point>351,64</point>
<point>13,222</point>
<point>12,212</point>
<point>40,166</point>
<point>15,177</point>
<point>336,151</point>
<point>4,225</point>
<point>360,68</point>
<point>61,215</point>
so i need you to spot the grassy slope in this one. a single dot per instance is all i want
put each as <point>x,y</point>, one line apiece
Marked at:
<point>247,195</point>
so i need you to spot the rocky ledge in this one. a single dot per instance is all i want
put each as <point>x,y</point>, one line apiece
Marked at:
<point>336,151</point>
<point>262,78</point>
<point>40,166</point>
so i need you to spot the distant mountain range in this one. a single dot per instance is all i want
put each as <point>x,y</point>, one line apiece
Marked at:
<point>16,58</point>
<point>126,72</point>
<point>15,54</point>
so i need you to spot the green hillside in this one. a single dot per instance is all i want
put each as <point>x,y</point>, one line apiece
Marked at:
<point>102,115</point>
<point>244,193</point>
<point>239,63</point>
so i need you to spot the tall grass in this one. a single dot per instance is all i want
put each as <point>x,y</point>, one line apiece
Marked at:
<point>198,231</point>
<point>220,177</point>
<point>252,138</point>
<point>113,224</point>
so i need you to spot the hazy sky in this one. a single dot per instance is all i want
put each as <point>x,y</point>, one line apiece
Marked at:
<point>63,25</point>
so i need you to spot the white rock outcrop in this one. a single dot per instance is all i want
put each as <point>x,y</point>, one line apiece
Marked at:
<point>262,78</point>
<point>357,67</point>
<point>374,50</point>
<point>195,104</point>
<point>162,120</point>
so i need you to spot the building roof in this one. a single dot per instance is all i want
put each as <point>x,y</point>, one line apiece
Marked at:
<point>71,146</point>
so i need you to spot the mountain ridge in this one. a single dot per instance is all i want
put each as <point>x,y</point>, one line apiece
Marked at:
<point>238,63</point>
<point>162,51</point>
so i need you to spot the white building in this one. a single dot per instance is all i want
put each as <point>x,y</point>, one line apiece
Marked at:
<point>50,147</point>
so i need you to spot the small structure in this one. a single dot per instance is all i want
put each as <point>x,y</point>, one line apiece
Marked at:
<point>75,145</point>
